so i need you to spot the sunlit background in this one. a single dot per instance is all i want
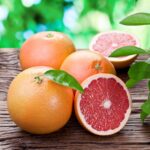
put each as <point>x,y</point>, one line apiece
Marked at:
<point>80,19</point>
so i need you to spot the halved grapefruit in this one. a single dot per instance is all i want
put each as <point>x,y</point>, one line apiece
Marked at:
<point>105,105</point>
<point>107,42</point>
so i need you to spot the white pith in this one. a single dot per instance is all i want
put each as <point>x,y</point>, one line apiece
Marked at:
<point>114,44</point>
<point>81,116</point>
<point>115,59</point>
<point>106,104</point>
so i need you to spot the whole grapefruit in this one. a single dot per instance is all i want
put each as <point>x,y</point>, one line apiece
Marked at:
<point>45,49</point>
<point>84,63</point>
<point>37,104</point>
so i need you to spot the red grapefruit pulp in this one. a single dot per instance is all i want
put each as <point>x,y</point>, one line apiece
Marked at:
<point>105,105</point>
<point>107,42</point>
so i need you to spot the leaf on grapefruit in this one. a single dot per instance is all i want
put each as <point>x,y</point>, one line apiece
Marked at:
<point>39,107</point>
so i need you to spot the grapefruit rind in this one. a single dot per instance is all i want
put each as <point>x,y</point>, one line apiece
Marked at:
<point>36,111</point>
<point>84,63</point>
<point>118,62</point>
<point>80,116</point>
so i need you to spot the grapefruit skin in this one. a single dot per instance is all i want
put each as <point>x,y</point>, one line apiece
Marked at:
<point>38,108</point>
<point>80,116</point>
<point>118,62</point>
<point>84,63</point>
<point>45,49</point>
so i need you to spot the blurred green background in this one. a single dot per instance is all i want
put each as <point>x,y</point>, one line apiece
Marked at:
<point>80,19</point>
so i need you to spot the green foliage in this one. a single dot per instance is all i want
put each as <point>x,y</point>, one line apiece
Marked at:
<point>107,6</point>
<point>145,108</point>
<point>139,70</point>
<point>49,15</point>
<point>137,19</point>
<point>63,78</point>
<point>128,50</point>
<point>21,19</point>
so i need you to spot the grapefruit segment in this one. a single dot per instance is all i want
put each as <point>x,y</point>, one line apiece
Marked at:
<point>107,42</point>
<point>105,105</point>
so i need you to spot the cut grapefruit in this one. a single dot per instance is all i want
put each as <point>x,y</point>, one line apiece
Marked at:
<point>105,105</point>
<point>107,42</point>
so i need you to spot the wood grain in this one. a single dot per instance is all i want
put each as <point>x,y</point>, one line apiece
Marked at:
<point>135,135</point>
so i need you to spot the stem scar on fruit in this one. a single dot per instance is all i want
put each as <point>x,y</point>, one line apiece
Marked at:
<point>38,79</point>
<point>49,35</point>
<point>97,66</point>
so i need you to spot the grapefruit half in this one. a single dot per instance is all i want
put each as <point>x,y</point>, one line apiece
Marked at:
<point>107,42</point>
<point>105,105</point>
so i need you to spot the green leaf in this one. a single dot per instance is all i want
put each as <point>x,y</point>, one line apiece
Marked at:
<point>137,19</point>
<point>138,71</point>
<point>149,90</point>
<point>145,110</point>
<point>146,107</point>
<point>149,85</point>
<point>131,82</point>
<point>63,78</point>
<point>128,50</point>
<point>143,115</point>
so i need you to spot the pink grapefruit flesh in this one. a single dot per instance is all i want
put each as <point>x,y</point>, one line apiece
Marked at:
<point>107,42</point>
<point>105,105</point>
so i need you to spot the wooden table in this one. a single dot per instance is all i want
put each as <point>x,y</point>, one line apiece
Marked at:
<point>135,135</point>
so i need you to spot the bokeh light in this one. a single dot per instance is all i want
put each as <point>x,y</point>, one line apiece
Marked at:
<point>3,12</point>
<point>29,3</point>
<point>70,17</point>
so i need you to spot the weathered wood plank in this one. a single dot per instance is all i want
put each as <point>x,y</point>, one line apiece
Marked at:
<point>134,136</point>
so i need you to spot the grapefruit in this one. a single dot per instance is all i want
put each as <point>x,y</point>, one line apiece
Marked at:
<point>105,106</point>
<point>39,105</point>
<point>45,49</point>
<point>84,63</point>
<point>107,42</point>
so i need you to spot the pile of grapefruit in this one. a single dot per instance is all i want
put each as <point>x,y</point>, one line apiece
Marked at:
<point>44,106</point>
